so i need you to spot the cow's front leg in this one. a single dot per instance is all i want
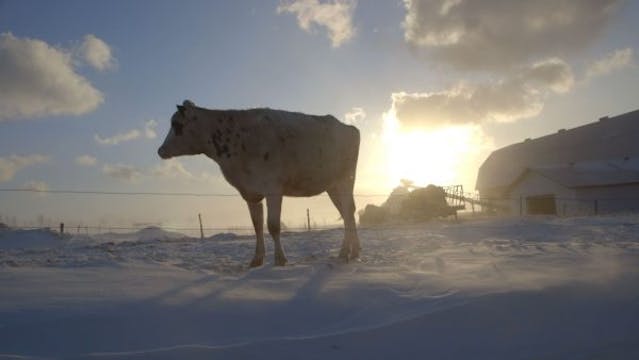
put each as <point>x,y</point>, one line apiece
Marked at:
<point>274,206</point>
<point>257,217</point>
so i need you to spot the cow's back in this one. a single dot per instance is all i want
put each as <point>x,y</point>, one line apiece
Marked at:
<point>304,154</point>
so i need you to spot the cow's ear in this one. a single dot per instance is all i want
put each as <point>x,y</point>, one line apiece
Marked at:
<point>181,109</point>
<point>188,103</point>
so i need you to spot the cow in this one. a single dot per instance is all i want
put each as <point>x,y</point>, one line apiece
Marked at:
<point>268,154</point>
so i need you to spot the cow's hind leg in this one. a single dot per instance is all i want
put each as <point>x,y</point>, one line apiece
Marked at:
<point>274,206</point>
<point>342,196</point>
<point>257,217</point>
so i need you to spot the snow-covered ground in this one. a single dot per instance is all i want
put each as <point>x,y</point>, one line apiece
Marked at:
<point>532,288</point>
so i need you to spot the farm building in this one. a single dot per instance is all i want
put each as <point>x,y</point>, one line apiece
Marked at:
<point>590,169</point>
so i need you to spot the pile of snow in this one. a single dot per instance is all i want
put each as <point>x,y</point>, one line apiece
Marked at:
<point>522,288</point>
<point>151,233</point>
<point>30,239</point>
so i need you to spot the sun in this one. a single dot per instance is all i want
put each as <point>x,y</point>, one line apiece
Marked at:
<point>442,156</point>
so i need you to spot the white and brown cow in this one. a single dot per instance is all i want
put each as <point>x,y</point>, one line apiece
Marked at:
<point>268,154</point>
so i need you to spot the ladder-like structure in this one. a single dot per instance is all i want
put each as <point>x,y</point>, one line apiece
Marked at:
<point>457,199</point>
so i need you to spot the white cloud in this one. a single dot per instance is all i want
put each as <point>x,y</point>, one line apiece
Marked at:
<point>149,129</point>
<point>172,168</point>
<point>118,138</point>
<point>355,116</point>
<point>497,34</point>
<point>168,169</point>
<point>519,95</point>
<point>86,160</point>
<point>613,61</point>
<point>95,52</point>
<point>336,16</point>
<point>36,186</point>
<point>148,132</point>
<point>10,165</point>
<point>40,80</point>
<point>121,171</point>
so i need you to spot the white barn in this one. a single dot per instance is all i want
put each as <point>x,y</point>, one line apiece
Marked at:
<point>590,169</point>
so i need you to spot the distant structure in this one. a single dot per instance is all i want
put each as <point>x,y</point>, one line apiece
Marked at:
<point>590,169</point>
<point>408,206</point>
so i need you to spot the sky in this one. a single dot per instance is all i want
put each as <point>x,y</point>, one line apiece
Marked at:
<point>87,89</point>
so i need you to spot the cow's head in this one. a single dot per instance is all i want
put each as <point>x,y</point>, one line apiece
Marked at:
<point>182,137</point>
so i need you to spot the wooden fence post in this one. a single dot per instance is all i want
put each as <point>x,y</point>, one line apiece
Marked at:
<point>199,216</point>
<point>308,219</point>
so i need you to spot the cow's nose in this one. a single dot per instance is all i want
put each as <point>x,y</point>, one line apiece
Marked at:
<point>162,152</point>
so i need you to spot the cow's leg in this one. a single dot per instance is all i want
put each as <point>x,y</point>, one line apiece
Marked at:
<point>274,206</point>
<point>257,217</point>
<point>342,197</point>
<point>333,194</point>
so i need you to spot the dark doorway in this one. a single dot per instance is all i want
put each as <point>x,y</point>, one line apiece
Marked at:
<point>541,205</point>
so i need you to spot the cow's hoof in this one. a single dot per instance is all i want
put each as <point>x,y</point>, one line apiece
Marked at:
<point>280,260</point>
<point>354,255</point>
<point>343,255</point>
<point>257,261</point>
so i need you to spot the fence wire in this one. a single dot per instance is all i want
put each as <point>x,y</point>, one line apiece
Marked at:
<point>563,207</point>
<point>141,193</point>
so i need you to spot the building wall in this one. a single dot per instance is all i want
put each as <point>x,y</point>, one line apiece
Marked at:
<point>570,202</point>
<point>610,199</point>
<point>534,184</point>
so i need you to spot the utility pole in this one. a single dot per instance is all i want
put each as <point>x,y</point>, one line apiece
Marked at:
<point>308,219</point>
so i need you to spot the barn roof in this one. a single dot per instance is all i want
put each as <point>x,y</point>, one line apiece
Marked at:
<point>612,139</point>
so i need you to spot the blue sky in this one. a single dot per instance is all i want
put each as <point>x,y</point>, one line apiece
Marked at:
<point>437,86</point>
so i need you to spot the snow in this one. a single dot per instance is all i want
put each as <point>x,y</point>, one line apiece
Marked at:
<point>516,288</point>
<point>33,238</point>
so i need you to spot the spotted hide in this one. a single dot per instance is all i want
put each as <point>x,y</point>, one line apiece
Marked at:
<point>268,154</point>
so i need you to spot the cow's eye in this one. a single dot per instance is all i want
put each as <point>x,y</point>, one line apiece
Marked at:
<point>177,128</point>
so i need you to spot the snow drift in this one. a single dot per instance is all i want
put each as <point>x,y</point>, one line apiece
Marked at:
<point>494,288</point>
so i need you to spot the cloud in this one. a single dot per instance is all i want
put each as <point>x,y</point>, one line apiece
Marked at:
<point>355,116</point>
<point>118,138</point>
<point>10,165</point>
<point>86,160</point>
<point>148,132</point>
<point>149,129</point>
<point>172,168</point>
<point>36,186</point>
<point>121,171</point>
<point>40,80</point>
<point>336,16</point>
<point>613,61</point>
<point>96,53</point>
<point>552,73</point>
<point>497,34</point>
<point>519,95</point>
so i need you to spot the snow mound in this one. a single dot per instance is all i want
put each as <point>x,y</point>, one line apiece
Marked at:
<point>30,239</point>
<point>151,233</point>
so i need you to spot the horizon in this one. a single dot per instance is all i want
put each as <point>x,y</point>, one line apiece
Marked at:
<point>432,94</point>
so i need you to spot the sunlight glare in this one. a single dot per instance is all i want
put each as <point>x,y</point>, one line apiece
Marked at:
<point>441,156</point>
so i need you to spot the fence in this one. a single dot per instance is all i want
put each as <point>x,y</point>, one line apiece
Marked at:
<point>308,223</point>
<point>531,205</point>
